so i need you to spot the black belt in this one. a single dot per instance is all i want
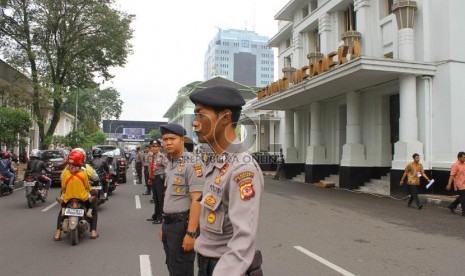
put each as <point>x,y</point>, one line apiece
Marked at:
<point>176,217</point>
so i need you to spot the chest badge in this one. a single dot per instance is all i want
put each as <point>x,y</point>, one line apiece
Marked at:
<point>211,218</point>
<point>198,170</point>
<point>210,201</point>
<point>217,180</point>
<point>177,181</point>
<point>178,190</point>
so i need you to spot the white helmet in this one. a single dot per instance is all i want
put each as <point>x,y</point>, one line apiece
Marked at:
<point>35,153</point>
<point>110,154</point>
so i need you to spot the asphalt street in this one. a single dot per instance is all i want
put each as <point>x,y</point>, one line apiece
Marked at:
<point>304,230</point>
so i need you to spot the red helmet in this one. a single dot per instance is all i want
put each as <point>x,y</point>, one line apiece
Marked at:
<point>76,158</point>
<point>6,155</point>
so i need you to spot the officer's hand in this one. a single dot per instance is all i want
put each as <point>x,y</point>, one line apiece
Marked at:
<point>160,235</point>
<point>448,187</point>
<point>401,183</point>
<point>188,243</point>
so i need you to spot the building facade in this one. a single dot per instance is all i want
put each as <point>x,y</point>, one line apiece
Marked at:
<point>367,83</point>
<point>241,56</point>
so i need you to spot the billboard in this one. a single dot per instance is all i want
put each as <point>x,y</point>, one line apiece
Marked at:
<point>134,133</point>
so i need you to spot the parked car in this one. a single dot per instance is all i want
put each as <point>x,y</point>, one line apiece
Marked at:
<point>55,161</point>
<point>121,161</point>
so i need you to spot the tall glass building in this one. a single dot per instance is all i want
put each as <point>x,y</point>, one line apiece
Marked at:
<point>241,56</point>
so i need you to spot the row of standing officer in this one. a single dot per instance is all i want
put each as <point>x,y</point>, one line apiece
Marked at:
<point>213,207</point>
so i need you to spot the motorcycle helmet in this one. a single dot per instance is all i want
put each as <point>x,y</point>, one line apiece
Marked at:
<point>76,158</point>
<point>97,152</point>
<point>81,150</point>
<point>35,153</point>
<point>110,154</point>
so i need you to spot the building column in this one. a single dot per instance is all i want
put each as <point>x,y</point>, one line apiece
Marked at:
<point>353,152</point>
<point>315,152</point>
<point>408,143</point>
<point>290,150</point>
<point>324,29</point>
<point>271,138</point>
<point>364,25</point>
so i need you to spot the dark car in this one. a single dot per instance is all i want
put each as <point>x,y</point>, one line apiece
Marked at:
<point>120,158</point>
<point>55,161</point>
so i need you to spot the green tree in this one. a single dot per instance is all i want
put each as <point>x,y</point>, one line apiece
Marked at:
<point>93,106</point>
<point>62,44</point>
<point>153,134</point>
<point>13,123</point>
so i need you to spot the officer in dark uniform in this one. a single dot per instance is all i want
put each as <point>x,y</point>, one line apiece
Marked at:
<point>184,183</point>
<point>233,188</point>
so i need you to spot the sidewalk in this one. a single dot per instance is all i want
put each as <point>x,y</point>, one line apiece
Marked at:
<point>428,199</point>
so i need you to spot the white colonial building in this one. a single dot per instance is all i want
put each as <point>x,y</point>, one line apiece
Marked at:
<point>366,84</point>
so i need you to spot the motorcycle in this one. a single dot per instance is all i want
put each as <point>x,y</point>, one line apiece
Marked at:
<point>110,178</point>
<point>4,188</point>
<point>96,190</point>
<point>34,191</point>
<point>75,224</point>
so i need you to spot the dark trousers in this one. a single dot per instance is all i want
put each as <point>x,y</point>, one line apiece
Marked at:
<point>158,197</point>
<point>413,190</point>
<point>139,171</point>
<point>146,174</point>
<point>179,262</point>
<point>460,199</point>
<point>206,265</point>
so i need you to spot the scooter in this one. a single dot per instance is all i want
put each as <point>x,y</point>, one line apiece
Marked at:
<point>74,224</point>
<point>111,178</point>
<point>34,191</point>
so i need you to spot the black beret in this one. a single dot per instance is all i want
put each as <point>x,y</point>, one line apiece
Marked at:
<point>172,128</point>
<point>218,96</point>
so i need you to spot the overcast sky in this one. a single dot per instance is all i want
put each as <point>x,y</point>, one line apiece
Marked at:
<point>169,44</point>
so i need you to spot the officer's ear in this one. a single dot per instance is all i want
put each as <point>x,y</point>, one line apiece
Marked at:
<point>226,117</point>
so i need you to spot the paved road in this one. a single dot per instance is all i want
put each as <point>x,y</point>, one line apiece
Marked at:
<point>303,231</point>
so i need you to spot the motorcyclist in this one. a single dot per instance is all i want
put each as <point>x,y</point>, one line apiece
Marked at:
<point>100,165</point>
<point>75,184</point>
<point>37,169</point>
<point>5,168</point>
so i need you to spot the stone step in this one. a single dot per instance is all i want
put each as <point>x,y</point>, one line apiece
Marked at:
<point>299,178</point>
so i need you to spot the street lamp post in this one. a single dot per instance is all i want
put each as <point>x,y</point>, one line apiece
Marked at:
<point>116,139</point>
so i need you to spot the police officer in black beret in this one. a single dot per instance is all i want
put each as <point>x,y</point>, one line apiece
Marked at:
<point>184,183</point>
<point>233,188</point>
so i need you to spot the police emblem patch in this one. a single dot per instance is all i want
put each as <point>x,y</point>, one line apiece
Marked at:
<point>246,190</point>
<point>211,217</point>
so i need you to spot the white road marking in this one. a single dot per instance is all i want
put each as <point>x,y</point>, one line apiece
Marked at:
<point>135,182</point>
<point>323,261</point>
<point>145,267</point>
<point>137,202</point>
<point>17,189</point>
<point>49,207</point>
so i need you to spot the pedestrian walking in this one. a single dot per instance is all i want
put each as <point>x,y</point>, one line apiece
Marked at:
<point>157,167</point>
<point>279,165</point>
<point>457,176</point>
<point>233,188</point>
<point>414,171</point>
<point>139,164</point>
<point>184,183</point>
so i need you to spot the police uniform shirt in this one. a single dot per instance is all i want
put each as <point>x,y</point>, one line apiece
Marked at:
<point>161,162</point>
<point>230,211</point>
<point>183,176</point>
<point>147,158</point>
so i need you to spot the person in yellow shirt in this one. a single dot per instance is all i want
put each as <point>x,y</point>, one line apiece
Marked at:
<point>75,184</point>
